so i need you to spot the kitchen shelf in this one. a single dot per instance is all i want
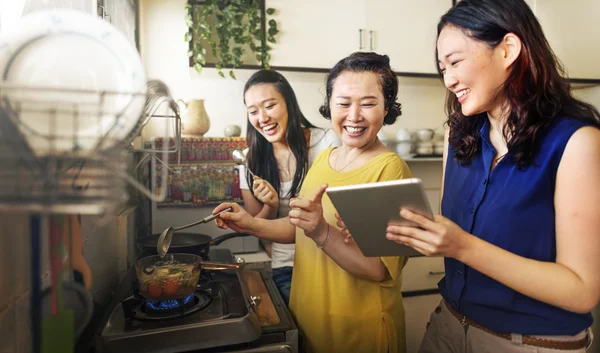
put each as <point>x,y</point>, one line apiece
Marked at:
<point>316,70</point>
<point>583,82</point>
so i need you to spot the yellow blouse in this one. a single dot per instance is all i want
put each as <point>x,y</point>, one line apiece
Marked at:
<point>335,311</point>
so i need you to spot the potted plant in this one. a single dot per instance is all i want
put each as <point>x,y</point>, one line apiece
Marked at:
<point>227,29</point>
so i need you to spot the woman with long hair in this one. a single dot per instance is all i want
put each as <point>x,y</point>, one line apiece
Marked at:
<point>341,300</point>
<point>520,224</point>
<point>282,144</point>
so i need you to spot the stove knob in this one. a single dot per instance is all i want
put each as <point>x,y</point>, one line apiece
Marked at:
<point>255,300</point>
<point>239,260</point>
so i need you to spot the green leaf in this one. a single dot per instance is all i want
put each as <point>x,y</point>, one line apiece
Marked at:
<point>200,59</point>
<point>188,36</point>
<point>272,23</point>
<point>188,20</point>
<point>221,74</point>
<point>271,39</point>
<point>270,11</point>
<point>238,19</point>
<point>232,74</point>
<point>237,51</point>
<point>198,68</point>
<point>218,67</point>
<point>258,57</point>
<point>190,53</point>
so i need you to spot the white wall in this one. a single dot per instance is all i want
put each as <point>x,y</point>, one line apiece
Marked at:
<point>165,57</point>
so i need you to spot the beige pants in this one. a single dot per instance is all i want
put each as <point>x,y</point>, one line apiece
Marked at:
<point>445,334</point>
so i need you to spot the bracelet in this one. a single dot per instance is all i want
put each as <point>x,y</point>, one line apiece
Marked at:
<point>326,238</point>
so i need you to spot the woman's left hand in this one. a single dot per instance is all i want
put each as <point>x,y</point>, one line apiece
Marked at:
<point>440,237</point>
<point>308,214</point>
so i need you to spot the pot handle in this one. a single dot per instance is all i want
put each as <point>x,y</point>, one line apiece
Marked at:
<point>218,240</point>
<point>207,265</point>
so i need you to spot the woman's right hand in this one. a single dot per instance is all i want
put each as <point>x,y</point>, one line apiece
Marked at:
<point>237,220</point>
<point>265,192</point>
<point>345,232</point>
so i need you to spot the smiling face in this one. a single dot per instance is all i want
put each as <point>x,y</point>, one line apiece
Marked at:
<point>357,108</point>
<point>267,111</point>
<point>472,71</point>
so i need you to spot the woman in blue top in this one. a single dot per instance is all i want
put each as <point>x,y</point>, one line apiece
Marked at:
<point>520,229</point>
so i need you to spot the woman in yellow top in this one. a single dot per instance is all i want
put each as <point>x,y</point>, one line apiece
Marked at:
<point>342,301</point>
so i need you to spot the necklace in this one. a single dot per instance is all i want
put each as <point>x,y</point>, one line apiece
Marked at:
<point>353,159</point>
<point>285,164</point>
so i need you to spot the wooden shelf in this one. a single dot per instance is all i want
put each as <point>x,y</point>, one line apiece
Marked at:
<point>316,70</point>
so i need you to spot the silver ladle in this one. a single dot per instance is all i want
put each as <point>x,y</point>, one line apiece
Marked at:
<point>239,157</point>
<point>164,241</point>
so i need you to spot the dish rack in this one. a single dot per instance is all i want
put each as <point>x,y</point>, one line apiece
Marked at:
<point>39,177</point>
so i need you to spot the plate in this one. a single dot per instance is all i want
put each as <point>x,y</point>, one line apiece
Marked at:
<point>74,80</point>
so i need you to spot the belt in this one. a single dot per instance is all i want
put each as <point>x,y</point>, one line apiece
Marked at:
<point>528,340</point>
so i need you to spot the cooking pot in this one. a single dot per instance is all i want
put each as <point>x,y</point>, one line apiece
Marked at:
<point>188,243</point>
<point>174,277</point>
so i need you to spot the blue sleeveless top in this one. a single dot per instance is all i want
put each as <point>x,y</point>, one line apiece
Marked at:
<point>513,209</point>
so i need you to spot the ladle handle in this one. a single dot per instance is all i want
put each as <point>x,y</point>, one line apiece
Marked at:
<point>249,171</point>
<point>205,219</point>
<point>205,265</point>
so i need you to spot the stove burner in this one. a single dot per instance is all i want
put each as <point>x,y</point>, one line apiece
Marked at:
<point>170,309</point>
<point>165,305</point>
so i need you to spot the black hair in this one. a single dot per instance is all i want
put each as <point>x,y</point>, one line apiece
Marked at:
<point>367,62</point>
<point>536,90</point>
<point>261,159</point>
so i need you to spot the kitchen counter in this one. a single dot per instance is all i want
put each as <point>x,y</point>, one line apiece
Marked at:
<point>255,257</point>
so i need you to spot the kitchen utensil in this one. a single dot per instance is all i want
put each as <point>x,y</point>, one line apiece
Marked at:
<point>424,134</point>
<point>14,139</point>
<point>403,135</point>
<point>76,299</point>
<point>189,243</point>
<point>172,277</point>
<point>403,148</point>
<point>74,248</point>
<point>438,147</point>
<point>35,300</point>
<point>57,328</point>
<point>239,157</point>
<point>232,131</point>
<point>82,69</point>
<point>164,241</point>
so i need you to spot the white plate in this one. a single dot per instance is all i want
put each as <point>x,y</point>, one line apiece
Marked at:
<point>74,56</point>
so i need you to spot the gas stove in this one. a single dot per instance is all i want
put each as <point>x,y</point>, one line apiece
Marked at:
<point>219,317</point>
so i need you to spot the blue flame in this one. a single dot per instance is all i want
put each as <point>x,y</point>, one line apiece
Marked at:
<point>164,305</point>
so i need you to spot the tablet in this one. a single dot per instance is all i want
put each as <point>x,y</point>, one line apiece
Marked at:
<point>367,209</point>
